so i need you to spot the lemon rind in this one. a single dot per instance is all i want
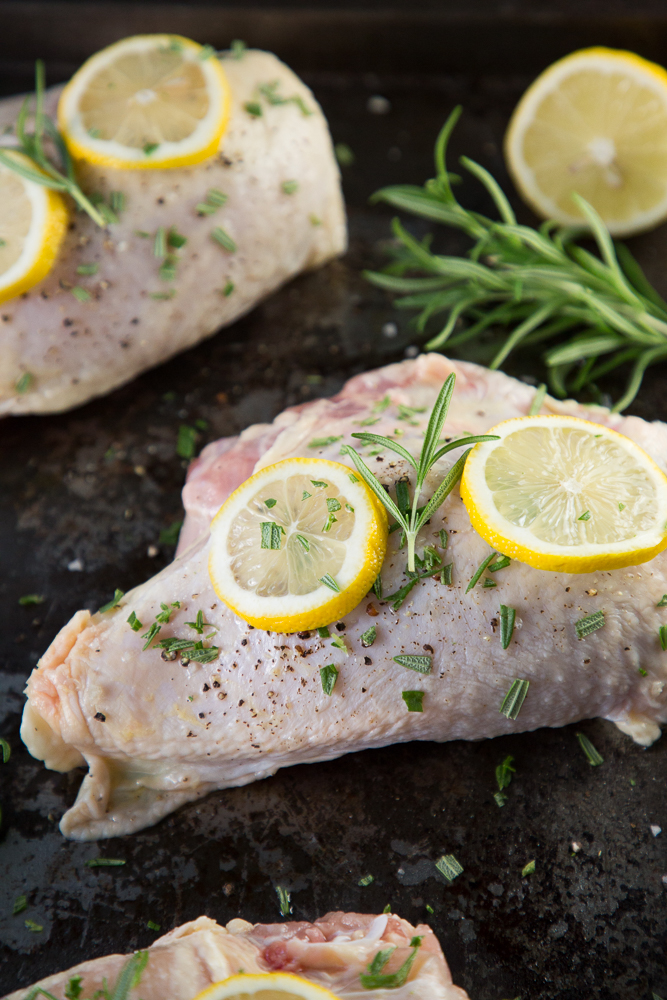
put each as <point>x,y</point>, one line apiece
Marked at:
<point>245,982</point>
<point>523,176</point>
<point>171,154</point>
<point>587,558</point>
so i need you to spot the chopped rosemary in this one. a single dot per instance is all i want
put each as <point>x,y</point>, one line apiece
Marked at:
<point>488,582</point>
<point>593,756</point>
<point>349,509</point>
<point>448,866</point>
<point>328,677</point>
<point>333,505</point>
<point>150,635</point>
<point>514,699</point>
<point>152,926</point>
<point>186,442</point>
<point>238,48</point>
<point>538,400</point>
<point>344,154</point>
<point>586,516</point>
<point>5,750</point>
<point>501,563</point>
<point>284,901</point>
<point>590,623</point>
<point>269,91</point>
<point>318,482</point>
<point>507,619</point>
<point>537,284</point>
<point>134,623</point>
<point>414,700</point>
<point>199,624</point>
<point>289,187</point>
<point>33,926</point>
<point>205,53</point>
<point>104,863</point>
<point>164,615</point>
<point>662,632</point>
<point>169,536</point>
<point>504,772</point>
<point>374,979</point>
<point>528,869</point>
<point>303,542</point>
<point>87,268</point>
<point>366,880</point>
<point>324,632</point>
<point>270,502</point>
<point>254,109</point>
<point>228,289</point>
<point>150,147</point>
<point>117,202</point>
<point>478,572</point>
<point>20,905</point>
<point>621,506</point>
<point>26,380</point>
<point>323,443</point>
<point>223,239</point>
<point>662,603</point>
<point>80,294</point>
<point>113,603</point>
<point>422,664</point>
<point>446,575</point>
<point>351,476</point>
<point>306,495</point>
<point>329,582</point>
<point>176,239</point>
<point>329,522</point>
<point>203,654</point>
<point>28,600</point>
<point>160,243</point>
<point>369,636</point>
<point>163,295</point>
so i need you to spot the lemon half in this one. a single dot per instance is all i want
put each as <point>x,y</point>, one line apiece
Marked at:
<point>567,495</point>
<point>594,123</point>
<point>33,222</point>
<point>298,545</point>
<point>266,986</point>
<point>146,101</point>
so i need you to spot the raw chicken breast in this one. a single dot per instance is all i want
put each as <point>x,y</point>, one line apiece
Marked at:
<point>77,350</point>
<point>332,952</point>
<point>155,734</point>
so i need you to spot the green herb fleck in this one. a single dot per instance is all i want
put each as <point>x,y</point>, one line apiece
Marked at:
<point>507,619</point>
<point>24,383</point>
<point>204,53</point>
<point>349,508</point>
<point>33,927</point>
<point>314,219</point>
<point>382,405</point>
<point>501,563</point>
<point>216,197</point>
<point>117,201</point>
<point>333,504</point>
<point>134,622</point>
<point>199,624</point>
<point>449,867</point>
<point>87,268</point>
<point>324,632</point>
<point>5,750</point>
<point>238,48</point>
<point>104,863</point>
<point>368,637</point>
<point>344,154</point>
<point>662,632</point>
<point>28,600</point>
<point>478,572</point>
<point>303,542</point>
<point>20,905</point>
<point>323,443</point>
<point>186,442</point>
<point>169,536</point>
<point>328,677</point>
<point>269,91</point>
<point>339,643</point>
<point>228,289</point>
<point>203,208</point>
<point>150,147</point>
<point>167,270</point>
<point>586,516</point>
<point>366,880</point>
<point>150,635</point>
<point>504,772</point>
<point>387,908</point>
<point>169,294</point>
<point>113,603</point>
<point>514,699</point>
<point>488,582</point>
<point>329,582</point>
<point>284,900</point>
<point>414,700</point>
<point>662,603</point>
<point>223,239</point>
<point>421,664</point>
<point>590,623</point>
<point>289,187</point>
<point>270,502</point>
<point>446,575</point>
<point>500,798</point>
<point>306,495</point>
<point>80,294</point>
<point>254,108</point>
<point>271,535</point>
<point>176,239</point>
<point>374,979</point>
<point>152,926</point>
<point>528,869</point>
<point>408,412</point>
<point>318,482</point>
<point>593,756</point>
<point>621,506</point>
<point>331,520</point>
<point>642,672</point>
<point>164,614</point>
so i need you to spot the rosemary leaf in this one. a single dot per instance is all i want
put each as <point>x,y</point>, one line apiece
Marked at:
<point>414,700</point>
<point>507,619</point>
<point>113,603</point>
<point>593,756</point>
<point>329,582</point>
<point>478,572</point>
<point>590,623</point>
<point>448,866</point>
<point>284,901</point>
<point>328,677</point>
<point>422,664</point>
<point>514,699</point>
<point>368,637</point>
<point>224,239</point>
<point>528,869</point>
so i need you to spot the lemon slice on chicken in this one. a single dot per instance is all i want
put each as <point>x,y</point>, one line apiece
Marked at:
<point>567,495</point>
<point>146,101</point>
<point>266,986</point>
<point>33,222</point>
<point>298,545</point>
<point>594,123</point>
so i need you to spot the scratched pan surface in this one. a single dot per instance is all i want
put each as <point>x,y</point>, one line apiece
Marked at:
<point>98,485</point>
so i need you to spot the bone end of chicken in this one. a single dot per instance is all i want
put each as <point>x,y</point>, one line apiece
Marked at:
<point>74,351</point>
<point>332,952</point>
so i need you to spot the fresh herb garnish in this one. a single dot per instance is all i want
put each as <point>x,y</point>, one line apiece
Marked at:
<point>514,699</point>
<point>501,563</point>
<point>5,750</point>
<point>507,619</point>
<point>504,772</point>
<point>104,863</point>
<point>238,48</point>
<point>303,542</point>
<point>538,400</point>
<point>339,643</point>
<point>528,869</point>
<point>318,482</point>
<point>87,268</point>
<point>662,603</point>
<point>331,520</point>
<point>223,239</point>
<point>422,664</point>
<point>80,294</point>
<point>150,635</point>
<point>152,926</point>
<point>306,495</point>
<point>448,866</point>
<point>333,504</point>
<point>662,632</point>
<point>488,582</point>
<point>228,289</point>
<point>175,239</point>
<point>324,632</point>
<point>26,380</point>
<point>328,676</point>
<point>329,582</point>
<point>34,927</point>
<point>586,516</point>
<point>368,637</point>
<point>588,624</point>
<point>374,979</point>
<point>269,91</point>
<point>270,502</point>
<point>427,566</point>
<point>271,535</point>
<point>28,600</point>
<point>478,572</point>
<point>284,901</point>
<point>430,454</point>
<point>186,442</point>
<point>414,700</point>
<point>593,756</point>
<point>289,187</point>
<point>164,614</point>
<point>324,442</point>
<point>134,622</point>
<point>20,905</point>
<point>344,154</point>
<point>150,147</point>
<point>113,603</point>
<point>169,536</point>
<point>538,284</point>
<point>214,200</point>
<point>254,109</point>
<point>199,624</point>
<point>366,880</point>
<point>446,575</point>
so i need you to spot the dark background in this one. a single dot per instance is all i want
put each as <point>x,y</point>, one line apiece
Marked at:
<point>100,484</point>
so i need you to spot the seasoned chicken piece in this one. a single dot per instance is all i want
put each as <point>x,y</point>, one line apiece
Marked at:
<point>332,952</point>
<point>155,734</point>
<point>284,211</point>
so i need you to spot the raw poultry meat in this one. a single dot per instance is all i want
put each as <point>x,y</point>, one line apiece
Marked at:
<point>332,952</point>
<point>156,734</point>
<point>76,350</point>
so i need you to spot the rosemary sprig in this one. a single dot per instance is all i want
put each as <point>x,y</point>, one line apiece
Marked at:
<point>128,977</point>
<point>413,518</point>
<point>537,284</point>
<point>32,146</point>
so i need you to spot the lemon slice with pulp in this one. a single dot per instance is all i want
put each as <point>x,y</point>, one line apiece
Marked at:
<point>146,101</point>
<point>565,494</point>
<point>298,545</point>
<point>33,222</point>
<point>266,986</point>
<point>594,123</point>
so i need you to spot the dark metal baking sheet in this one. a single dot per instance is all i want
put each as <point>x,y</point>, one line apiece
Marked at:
<point>99,484</point>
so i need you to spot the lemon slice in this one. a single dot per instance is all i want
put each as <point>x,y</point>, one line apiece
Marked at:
<point>266,986</point>
<point>565,494</point>
<point>298,545</point>
<point>146,101</point>
<point>33,222</point>
<point>594,123</point>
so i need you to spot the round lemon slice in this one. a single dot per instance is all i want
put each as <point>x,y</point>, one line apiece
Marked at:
<point>298,545</point>
<point>33,222</point>
<point>594,123</point>
<point>146,101</point>
<point>266,986</point>
<point>567,495</point>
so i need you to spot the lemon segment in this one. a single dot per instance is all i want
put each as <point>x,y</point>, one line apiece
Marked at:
<point>566,495</point>
<point>288,528</point>
<point>594,123</point>
<point>146,101</point>
<point>266,986</point>
<point>33,223</point>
